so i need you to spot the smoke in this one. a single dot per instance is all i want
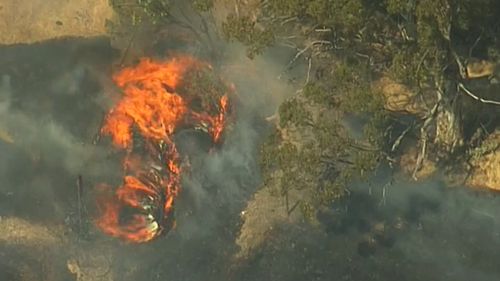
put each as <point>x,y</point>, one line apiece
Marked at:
<point>52,98</point>
<point>47,113</point>
<point>220,180</point>
<point>403,231</point>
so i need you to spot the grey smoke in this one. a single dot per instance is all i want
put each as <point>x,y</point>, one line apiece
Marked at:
<point>447,234</point>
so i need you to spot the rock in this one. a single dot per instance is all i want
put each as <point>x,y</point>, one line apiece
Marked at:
<point>398,98</point>
<point>480,68</point>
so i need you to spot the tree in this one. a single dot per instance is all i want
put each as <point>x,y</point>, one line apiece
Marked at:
<point>311,154</point>
<point>244,30</point>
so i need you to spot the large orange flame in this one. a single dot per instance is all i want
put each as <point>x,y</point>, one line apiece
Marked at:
<point>152,106</point>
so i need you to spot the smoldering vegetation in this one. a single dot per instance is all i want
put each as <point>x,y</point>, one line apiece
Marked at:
<point>52,100</point>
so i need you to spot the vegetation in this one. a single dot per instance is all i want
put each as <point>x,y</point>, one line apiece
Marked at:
<point>348,45</point>
<point>244,30</point>
<point>311,153</point>
<point>422,44</point>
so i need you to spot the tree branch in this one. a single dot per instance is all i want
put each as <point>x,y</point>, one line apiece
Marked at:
<point>423,131</point>
<point>397,142</point>
<point>308,70</point>
<point>301,52</point>
<point>469,93</point>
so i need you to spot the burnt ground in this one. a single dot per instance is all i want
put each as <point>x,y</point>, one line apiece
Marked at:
<point>52,99</point>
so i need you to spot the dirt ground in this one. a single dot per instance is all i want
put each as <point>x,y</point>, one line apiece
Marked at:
<point>28,21</point>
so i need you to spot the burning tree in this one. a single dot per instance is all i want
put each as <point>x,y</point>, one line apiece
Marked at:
<point>157,102</point>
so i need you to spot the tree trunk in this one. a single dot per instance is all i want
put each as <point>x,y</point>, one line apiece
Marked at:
<point>449,131</point>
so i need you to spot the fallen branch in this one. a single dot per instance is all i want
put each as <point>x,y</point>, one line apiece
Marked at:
<point>469,93</point>
<point>397,142</point>
<point>323,30</point>
<point>308,70</point>
<point>301,52</point>
<point>293,208</point>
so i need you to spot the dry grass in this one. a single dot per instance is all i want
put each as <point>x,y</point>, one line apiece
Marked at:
<point>262,215</point>
<point>28,21</point>
<point>486,172</point>
<point>20,232</point>
<point>408,162</point>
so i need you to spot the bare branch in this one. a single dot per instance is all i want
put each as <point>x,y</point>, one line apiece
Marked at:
<point>469,93</point>
<point>308,70</point>
<point>289,20</point>
<point>461,68</point>
<point>474,45</point>
<point>323,30</point>
<point>397,142</point>
<point>301,52</point>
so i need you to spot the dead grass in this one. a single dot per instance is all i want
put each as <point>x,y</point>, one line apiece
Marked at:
<point>486,172</point>
<point>20,232</point>
<point>29,21</point>
<point>262,215</point>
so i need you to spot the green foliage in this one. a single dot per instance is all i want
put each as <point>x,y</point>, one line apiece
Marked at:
<point>203,5</point>
<point>156,10</point>
<point>342,15</point>
<point>365,162</point>
<point>328,192</point>
<point>330,135</point>
<point>346,14</point>
<point>374,129</point>
<point>403,69</point>
<point>397,6</point>
<point>315,93</point>
<point>309,160</point>
<point>308,210</point>
<point>288,8</point>
<point>359,99</point>
<point>244,30</point>
<point>433,23</point>
<point>354,82</point>
<point>324,159</point>
<point>293,112</point>
<point>269,155</point>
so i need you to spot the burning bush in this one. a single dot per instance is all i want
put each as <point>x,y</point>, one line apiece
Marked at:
<point>158,101</point>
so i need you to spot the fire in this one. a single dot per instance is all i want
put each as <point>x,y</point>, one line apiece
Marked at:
<point>153,107</point>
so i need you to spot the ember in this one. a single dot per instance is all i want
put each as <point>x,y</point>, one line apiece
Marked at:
<point>154,106</point>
